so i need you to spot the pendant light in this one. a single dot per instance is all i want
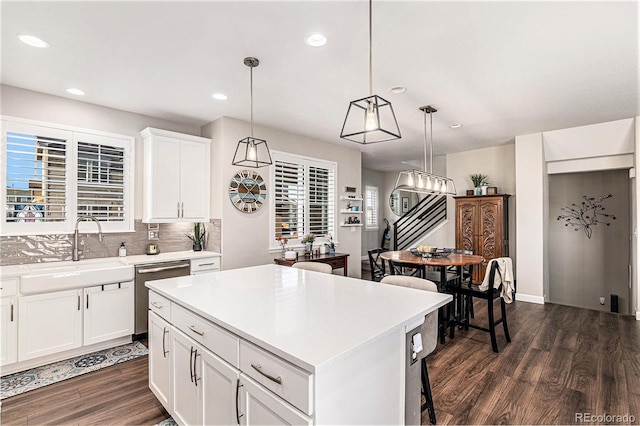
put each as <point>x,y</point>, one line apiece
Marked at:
<point>370,119</point>
<point>425,182</point>
<point>252,152</point>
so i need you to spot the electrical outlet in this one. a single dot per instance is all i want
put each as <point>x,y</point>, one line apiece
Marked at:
<point>153,235</point>
<point>602,300</point>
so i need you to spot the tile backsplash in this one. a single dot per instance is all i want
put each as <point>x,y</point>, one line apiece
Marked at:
<point>15,250</point>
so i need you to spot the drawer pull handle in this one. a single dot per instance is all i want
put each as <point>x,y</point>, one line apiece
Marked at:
<point>206,264</point>
<point>258,368</point>
<point>157,305</point>
<point>162,268</point>
<point>199,333</point>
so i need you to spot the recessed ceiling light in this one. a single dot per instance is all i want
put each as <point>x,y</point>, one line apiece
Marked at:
<point>32,40</point>
<point>455,126</point>
<point>316,40</point>
<point>398,89</point>
<point>219,96</point>
<point>76,92</point>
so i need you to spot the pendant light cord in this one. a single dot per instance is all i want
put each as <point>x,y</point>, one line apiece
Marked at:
<point>370,50</point>
<point>251,93</point>
<point>430,171</point>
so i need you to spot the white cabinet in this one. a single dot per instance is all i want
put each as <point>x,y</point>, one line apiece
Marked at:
<point>108,312</point>
<point>176,177</point>
<point>49,323</point>
<point>205,265</point>
<point>259,407</point>
<point>204,386</point>
<point>160,359</point>
<point>8,321</point>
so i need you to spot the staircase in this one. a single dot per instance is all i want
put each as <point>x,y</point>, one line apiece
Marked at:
<point>430,212</point>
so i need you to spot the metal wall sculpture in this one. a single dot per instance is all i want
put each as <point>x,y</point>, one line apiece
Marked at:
<point>586,215</point>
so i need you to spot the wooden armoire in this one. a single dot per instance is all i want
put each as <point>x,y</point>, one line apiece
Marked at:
<point>482,225</point>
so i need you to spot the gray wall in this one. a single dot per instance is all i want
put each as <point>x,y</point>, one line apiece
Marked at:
<point>581,269</point>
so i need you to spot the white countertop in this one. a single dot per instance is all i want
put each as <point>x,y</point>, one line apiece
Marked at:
<point>166,257</point>
<point>308,318</point>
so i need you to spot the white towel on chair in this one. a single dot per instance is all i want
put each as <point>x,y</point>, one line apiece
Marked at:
<point>504,276</point>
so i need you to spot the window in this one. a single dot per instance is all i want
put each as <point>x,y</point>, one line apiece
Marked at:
<point>303,198</point>
<point>371,207</point>
<point>51,175</point>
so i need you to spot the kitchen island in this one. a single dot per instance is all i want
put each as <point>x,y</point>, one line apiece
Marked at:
<point>293,346</point>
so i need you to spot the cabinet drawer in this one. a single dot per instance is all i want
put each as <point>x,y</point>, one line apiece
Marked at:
<point>291,383</point>
<point>205,264</point>
<point>8,287</point>
<point>211,336</point>
<point>160,305</point>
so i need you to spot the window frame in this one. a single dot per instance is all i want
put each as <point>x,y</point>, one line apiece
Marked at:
<point>375,189</point>
<point>306,162</point>
<point>72,136</point>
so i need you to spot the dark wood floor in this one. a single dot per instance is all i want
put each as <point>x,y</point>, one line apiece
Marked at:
<point>561,361</point>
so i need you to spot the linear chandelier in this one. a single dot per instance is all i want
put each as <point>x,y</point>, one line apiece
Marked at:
<point>250,151</point>
<point>370,119</point>
<point>423,181</point>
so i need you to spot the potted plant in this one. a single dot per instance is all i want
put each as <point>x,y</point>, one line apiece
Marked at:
<point>197,236</point>
<point>308,240</point>
<point>479,183</point>
<point>330,244</point>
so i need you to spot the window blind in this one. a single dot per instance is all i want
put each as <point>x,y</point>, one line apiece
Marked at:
<point>35,178</point>
<point>321,201</point>
<point>371,204</point>
<point>289,199</point>
<point>100,183</point>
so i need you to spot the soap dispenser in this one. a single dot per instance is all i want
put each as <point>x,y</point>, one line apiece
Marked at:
<point>122,251</point>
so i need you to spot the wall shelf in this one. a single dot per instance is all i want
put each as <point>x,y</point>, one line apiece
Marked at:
<point>347,225</point>
<point>344,197</point>
<point>350,211</point>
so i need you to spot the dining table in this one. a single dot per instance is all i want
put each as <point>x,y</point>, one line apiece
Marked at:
<point>443,262</point>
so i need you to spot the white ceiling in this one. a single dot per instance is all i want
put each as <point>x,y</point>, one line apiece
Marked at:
<point>500,68</point>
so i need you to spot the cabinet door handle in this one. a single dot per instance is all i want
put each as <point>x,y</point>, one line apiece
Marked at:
<point>178,209</point>
<point>191,364</point>
<point>157,305</point>
<point>164,335</point>
<point>11,310</point>
<point>195,365</point>
<point>87,300</point>
<point>182,208</point>
<point>199,333</point>
<point>258,368</point>
<point>238,415</point>
<point>78,302</point>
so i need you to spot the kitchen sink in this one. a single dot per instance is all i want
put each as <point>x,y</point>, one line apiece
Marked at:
<point>59,276</point>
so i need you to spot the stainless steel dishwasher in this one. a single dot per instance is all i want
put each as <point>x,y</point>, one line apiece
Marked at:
<point>151,272</point>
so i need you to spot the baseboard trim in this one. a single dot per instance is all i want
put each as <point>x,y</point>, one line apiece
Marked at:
<point>530,298</point>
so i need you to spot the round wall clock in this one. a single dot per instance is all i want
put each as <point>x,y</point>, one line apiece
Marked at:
<point>247,191</point>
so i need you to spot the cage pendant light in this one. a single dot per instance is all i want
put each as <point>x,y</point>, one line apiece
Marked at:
<point>250,151</point>
<point>370,119</point>
<point>423,181</point>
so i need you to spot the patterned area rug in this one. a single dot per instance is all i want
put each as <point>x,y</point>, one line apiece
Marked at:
<point>24,381</point>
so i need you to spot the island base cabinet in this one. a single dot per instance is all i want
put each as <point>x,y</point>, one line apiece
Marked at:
<point>160,359</point>
<point>204,386</point>
<point>108,312</point>
<point>49,323</point>
<point>260,407</point>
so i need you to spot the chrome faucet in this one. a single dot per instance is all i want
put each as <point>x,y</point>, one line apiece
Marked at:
<point>76,253</point>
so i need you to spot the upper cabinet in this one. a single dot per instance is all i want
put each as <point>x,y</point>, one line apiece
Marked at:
<point>176,177</point>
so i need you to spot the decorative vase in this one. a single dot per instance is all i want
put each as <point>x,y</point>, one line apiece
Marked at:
<point>197,247</point>
<point>478,190</point>
<point>332,250</point>
<point>308,247</point>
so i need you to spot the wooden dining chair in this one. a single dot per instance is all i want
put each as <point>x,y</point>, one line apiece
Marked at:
<point>397,267</point>
<point>429,332</point>
<point>314,266</point>
<point>472,291</point>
